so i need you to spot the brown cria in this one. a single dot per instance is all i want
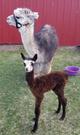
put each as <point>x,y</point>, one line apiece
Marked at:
<point>54,81</point>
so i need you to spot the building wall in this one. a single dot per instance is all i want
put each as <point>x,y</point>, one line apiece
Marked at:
<point>63,14</point>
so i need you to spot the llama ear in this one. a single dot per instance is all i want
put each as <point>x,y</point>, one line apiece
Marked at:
<point>35,57</point>
<point>36,15</point>
<point>22,55</point>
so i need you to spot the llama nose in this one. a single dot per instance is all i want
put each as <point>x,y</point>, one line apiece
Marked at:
<point>8,18</point>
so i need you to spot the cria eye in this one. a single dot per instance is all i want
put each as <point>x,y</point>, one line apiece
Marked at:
<point>24,64</point>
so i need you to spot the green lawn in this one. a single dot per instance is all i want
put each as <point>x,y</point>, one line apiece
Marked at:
<point>17,102</point>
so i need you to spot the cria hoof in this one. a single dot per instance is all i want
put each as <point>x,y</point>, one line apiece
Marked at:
<point>56,112</point>
<point>62,118</point>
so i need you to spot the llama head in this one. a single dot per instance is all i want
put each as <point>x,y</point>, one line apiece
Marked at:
<point>22,17</point>
<point>29,62</point>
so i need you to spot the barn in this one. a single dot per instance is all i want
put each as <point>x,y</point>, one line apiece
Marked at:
<point>63,14</point>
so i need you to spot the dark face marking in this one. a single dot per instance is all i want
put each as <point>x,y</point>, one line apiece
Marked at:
<point>24,64</point>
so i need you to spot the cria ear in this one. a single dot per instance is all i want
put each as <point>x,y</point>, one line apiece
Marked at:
<point>23,57</point>
<point>35,57</point>
<point>36,15</point>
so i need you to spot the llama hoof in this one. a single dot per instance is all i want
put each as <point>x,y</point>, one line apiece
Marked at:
<point>35,127</point>
<point>62,118</point>
<point>33,119</point>
<point>33,130</point>
<point>56,112</point>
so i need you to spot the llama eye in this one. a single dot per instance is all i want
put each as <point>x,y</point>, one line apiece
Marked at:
<point>31,64</point>
<point>27,12</point>
<point>17,17</point>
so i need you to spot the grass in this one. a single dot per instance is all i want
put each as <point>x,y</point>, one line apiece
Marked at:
<point>17,102</point>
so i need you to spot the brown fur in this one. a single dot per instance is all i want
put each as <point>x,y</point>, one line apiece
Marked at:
<point>54,81</point>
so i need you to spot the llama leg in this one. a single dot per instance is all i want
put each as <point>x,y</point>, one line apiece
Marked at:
<point>59,106</point>
<point>64,103</point>
<point>37,113</point>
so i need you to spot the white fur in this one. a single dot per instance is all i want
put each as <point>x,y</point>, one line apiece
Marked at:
<point>25,16</point>
<point>28,40</point>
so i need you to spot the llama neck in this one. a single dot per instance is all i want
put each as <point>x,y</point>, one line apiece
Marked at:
<point>28,40</point>
<point>30,78</point>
